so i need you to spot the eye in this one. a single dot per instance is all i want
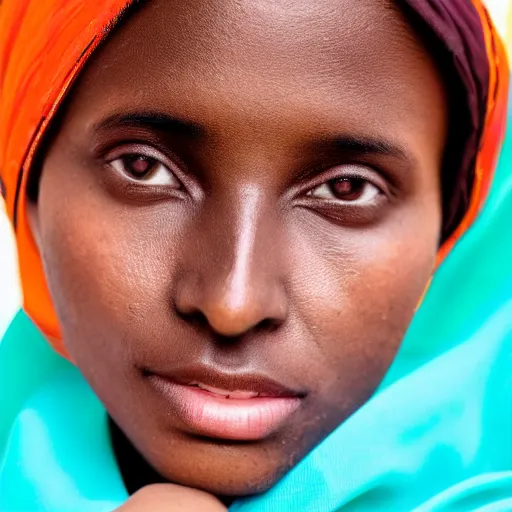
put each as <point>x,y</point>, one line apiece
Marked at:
<point>346,190</point>
<point>146,170</point>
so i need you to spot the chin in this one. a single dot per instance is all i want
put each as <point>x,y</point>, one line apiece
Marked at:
<point>235,471</point>
<point>236,487</point>
<point>237,490</point>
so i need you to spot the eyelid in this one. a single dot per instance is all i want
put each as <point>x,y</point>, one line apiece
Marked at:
<point>346,171</point>
<point>174,164</point>
<point>126,149</point>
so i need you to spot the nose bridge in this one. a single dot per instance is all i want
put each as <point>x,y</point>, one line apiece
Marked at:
<point>237,283</point>
<point>244,255</point>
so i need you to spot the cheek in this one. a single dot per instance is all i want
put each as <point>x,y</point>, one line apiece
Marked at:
<point>356,295</point>
<point>108,273</point>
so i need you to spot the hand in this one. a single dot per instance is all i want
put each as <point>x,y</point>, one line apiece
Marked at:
<point>171,498</point>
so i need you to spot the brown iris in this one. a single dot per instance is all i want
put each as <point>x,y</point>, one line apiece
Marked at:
<point>347,189</point>
<point>139,166</point>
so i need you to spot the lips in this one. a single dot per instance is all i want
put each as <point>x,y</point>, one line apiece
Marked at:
<point>237,394</point>
<point>241,407</point>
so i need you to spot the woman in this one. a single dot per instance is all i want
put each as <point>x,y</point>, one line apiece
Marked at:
<point>227,215</point>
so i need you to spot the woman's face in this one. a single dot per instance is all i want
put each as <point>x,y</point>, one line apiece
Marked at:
<point>237,218</point>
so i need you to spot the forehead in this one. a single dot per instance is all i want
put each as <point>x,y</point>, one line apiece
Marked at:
<point>268,37</point>
<point>306,62</point>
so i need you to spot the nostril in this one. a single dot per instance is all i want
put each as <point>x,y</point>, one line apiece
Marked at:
<point>268,325</point>
<point>196,318</point>
<point>227,325</point>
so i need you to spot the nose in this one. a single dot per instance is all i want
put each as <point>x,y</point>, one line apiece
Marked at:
<point>232,277</point>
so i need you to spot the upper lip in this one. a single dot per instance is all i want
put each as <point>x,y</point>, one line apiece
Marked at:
<point>229,381</point>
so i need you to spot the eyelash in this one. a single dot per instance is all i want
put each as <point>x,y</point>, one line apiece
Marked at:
<point>139,189</point>
<point>363,189</point>
<point>364,178</point>
<point>145,176</point>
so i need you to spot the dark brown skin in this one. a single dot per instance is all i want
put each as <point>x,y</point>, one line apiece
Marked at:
<point>242,251</point>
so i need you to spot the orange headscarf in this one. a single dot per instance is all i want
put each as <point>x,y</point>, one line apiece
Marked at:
<point>43,46</point>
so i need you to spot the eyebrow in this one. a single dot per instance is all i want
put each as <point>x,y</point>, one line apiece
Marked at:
<point>151,120</point>
<point>365,146</point>
<point>343,144</point>
<point>368,146</point>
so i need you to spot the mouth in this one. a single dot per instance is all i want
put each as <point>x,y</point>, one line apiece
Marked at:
<point>235,407</point>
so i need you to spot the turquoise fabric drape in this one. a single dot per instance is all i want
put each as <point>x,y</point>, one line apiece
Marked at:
<point>437,436</point>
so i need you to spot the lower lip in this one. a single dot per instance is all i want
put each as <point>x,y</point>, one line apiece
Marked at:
<point>211,415</point>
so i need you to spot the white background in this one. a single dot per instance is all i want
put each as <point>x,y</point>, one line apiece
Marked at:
<point>10,297</point>
<point>9,289</point>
